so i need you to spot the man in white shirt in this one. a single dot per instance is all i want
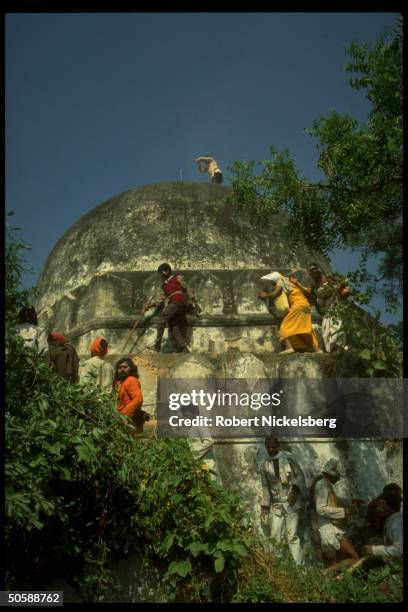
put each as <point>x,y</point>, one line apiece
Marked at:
<point>96,371</point>
<point>393,538</point>
<point>283,488</point>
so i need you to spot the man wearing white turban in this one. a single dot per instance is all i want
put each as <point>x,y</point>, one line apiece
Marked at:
<point>332,512</point>
<point>296,330</point>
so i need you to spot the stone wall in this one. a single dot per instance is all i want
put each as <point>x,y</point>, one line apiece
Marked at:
<point>192,226</point>
<point>232,319</point>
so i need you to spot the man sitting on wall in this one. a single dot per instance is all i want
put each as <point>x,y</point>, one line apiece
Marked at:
<point>332,512</point>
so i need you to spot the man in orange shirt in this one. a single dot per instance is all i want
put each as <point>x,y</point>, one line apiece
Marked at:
<point>129,398</point>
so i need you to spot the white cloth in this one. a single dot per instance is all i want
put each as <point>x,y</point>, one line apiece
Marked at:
<point>330,534</point>
<point>272,276</point>
<point>279,279</point>
<point>283,525</point>
<point>283,518</point>
<point>34,337</point>
<point>201,447</point>
<point>95,371</point>
<point>393,537</point>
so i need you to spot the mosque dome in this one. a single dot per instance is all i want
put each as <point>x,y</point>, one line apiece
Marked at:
<point>104,266</point>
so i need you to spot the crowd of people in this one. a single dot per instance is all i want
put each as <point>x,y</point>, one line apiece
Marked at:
<point>285,497</point>
<point>63,359</point>
<point>292,302</point>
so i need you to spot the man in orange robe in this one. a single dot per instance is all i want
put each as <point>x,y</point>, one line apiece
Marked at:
<point>129,398</point>
<point>296,330</point>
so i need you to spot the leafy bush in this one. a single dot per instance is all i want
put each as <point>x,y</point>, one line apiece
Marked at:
<point>79,486</point>
<point>81,491</point>
<point>368,348</point>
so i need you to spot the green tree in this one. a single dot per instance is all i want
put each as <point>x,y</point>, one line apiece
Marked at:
<point>358,201</point>
<point>15,296</point>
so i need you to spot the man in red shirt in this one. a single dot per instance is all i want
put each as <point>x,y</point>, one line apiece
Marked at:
<point>129,398</point>
<point>174,312</point>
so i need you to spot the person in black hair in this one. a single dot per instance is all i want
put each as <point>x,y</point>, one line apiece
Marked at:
<point>34,336</point>
<point>129,396</point>
<point>174,299</point>
<point>377,512</point>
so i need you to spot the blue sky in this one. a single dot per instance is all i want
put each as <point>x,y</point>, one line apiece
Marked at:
<point>97,104</point>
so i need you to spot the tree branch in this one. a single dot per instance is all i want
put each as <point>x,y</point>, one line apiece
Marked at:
<point>375,187</point>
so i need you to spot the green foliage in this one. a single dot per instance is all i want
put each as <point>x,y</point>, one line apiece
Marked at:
<point>368,349</point>
<point>80,491</point>
<point>256,590</point>
<point>382,585</point>
<point>274,577</point>
<point>396,330</point>
<point>15,296</point>
<point>358,201</point>
<point>63,448</point>
<point>190,527</point>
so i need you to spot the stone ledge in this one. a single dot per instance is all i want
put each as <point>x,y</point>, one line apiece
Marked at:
<point>166,360</point>
<point>192,321</point>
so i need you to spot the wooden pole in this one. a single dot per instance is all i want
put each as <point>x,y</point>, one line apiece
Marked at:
<point>138,321</point>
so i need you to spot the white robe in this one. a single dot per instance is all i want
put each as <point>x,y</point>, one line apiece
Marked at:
<point>283,520</point>
<point>330,534</point>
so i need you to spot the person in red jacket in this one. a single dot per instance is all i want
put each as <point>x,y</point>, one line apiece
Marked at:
<point>129,398</point>
<point>174,299</point>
